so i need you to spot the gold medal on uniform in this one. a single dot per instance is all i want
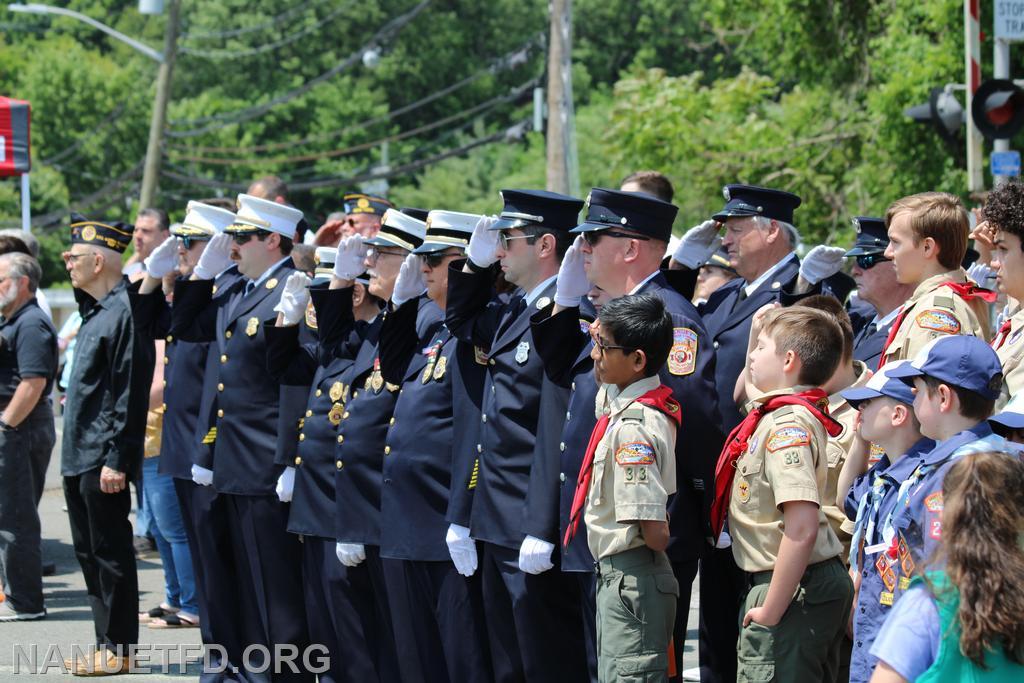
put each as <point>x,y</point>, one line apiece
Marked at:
<point>376,379</point>
<point>337,389</point>
<point>440,367</point>
<point>366,386</point>
<point>391,387</point>
<point>431,359</point>
<point>252,326</point>
<point>335,414</point>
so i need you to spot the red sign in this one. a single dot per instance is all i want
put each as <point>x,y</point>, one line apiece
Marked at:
<point>15,116</point>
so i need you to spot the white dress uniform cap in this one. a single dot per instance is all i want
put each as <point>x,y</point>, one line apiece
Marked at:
<point>255,213</point>
<point>399,230</point>
<point>203,220</point>
<point>448,229</point>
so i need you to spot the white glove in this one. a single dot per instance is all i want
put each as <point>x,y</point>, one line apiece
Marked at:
<point>698,244</point>
<point>821,262</point>
<point>462,548</point>
<point>348,264</point>
<point>163,259</point>
<point>410,282</point>
<point>294,298</point>
<point>535,555</point>
<point>350,554</point>
<point>483,244</point>
<point>201,475</point>
<point>572,284</point>
<point>215,259</point>
<point>980,273</point>
<point>286,485</point>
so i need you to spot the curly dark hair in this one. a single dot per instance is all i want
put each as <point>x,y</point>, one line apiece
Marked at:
<point>1004,208</point>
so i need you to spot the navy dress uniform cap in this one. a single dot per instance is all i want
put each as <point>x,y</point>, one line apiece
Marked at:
<point>872,236</point>
<point>634,211</point>
<point>116,235</point>
<point>357,202</point>
<point>720,259</point>
<point>750,200</point>
<point>447,229</point>
<point>538,208</point>
<point>399,230</point>
<point>960,360</point>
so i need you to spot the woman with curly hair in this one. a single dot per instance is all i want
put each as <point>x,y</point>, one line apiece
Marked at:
<point>964,619</point>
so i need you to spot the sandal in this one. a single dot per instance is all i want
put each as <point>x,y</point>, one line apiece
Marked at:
<point>158,612</point>
<point>175,621</point>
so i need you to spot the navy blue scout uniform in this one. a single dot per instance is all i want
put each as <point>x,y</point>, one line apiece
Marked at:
<point>689,372</point>
<point>870,503</point>
<point>869,334</point>
<point>268,572</point>
<point>533,620</point>
<point>437,614</point>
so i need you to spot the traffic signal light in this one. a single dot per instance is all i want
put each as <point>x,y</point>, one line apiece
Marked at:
<point>998,109</point>
<point>942,111</point>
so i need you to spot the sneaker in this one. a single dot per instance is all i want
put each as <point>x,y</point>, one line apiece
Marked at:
<point>7,613</point>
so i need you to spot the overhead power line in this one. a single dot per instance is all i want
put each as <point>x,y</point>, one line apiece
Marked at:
<point>235,32</point>
<point>227,118</point>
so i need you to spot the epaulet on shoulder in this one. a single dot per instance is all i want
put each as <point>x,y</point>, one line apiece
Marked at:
<point>633,413</point>
<point>943,302</point>
<point>780,414</point>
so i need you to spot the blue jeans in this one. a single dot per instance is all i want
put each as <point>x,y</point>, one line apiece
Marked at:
<point>168,530</point>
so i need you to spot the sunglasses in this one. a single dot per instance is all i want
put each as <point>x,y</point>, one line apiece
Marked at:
<point>867,261</point>
<point>373,253</point>
<point>187,242</point>
<point>435,259</point>
<point>504,238</point>
<point>241,238</point>
<point>592,237</point>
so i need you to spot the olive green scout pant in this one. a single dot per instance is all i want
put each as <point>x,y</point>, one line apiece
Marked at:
<point>804,645</point>
<point>636,609</point>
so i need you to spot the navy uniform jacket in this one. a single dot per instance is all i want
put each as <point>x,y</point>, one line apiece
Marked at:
<point>248,398</point>
<point>417,471</point>
<point>362,433</point>
<point>511,406</point>
<point>690,374</point>
<point>567,364</point>
<point>868,341</point>
<point>312,508</point>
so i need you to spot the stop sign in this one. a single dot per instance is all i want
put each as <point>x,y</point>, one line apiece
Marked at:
<point>15,116</point>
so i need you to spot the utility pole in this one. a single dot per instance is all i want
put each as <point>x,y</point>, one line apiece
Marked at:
<point>151,168</point>
<point>972,64</point>
<point>562,166</point>
<point>1000,69</point>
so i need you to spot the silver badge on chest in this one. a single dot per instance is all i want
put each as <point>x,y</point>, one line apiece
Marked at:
<point>523,352</point>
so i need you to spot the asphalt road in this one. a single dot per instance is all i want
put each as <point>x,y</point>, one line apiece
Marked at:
<point>37,647</point>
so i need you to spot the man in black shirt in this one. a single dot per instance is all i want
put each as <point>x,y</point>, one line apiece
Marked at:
<point>28,364</point>
<point>104,424</point>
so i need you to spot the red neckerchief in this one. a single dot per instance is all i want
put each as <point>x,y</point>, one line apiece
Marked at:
<point>967,291</point>
<point>659,398</point>
<point>815,400</point>
<point>1001,335</point>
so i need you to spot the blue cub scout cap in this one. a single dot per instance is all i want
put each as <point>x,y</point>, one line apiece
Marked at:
<point>958,360</point>
<point>881,384</point>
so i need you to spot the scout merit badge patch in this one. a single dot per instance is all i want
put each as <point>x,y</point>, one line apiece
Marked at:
<point>635,453</point>
<point>682,359</point>
<point>523,352</point>
<point>252,326</point>
<point>938,321</point>
<point>788,437</point>
<point>743,491</point>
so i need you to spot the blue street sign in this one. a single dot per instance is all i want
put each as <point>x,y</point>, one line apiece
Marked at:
<point>1006,163</point>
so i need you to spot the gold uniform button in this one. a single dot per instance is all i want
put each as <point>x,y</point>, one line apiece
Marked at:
<point>220,386</point>
<point>561,446</point>
<point>298,461</point>
<point>483,418</point>
<point>574,386</point>
<point>491,361</point>
<point>341,438</point>
<point>319,392</point>
<point>479,448</point>
<point>339,464</point>
<point>169,339</point>
<point>302,437</point>
<point>355,394</point>
<point>387,450</point>
<point>227,334</point>
<point>165,383</point>
<point>309,413</point>
<point>223,358</point>
<point>166,360</point>
<point>163,407</point>
<point>344,415</point>
<point>391,421</point>
<point>561,476</point>
<point>220,413</point>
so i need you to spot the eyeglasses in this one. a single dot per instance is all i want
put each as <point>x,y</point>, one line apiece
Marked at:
<point>187,242</point>
<point>241,238</point>
<point>602,346</point>
<point>373,253</point>
<point>73,258</point>
<point>592,237</point>
<point>504,238</point>
<point>868,261</point>
<point>435,259</point>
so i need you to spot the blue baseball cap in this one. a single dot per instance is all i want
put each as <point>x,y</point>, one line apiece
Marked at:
<point>881,384</point>
<point>1010,418</point>
<point>958,360</point>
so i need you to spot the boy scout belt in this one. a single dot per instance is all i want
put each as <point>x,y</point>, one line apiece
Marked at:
<point>760,578</point>
<point>631,559</point>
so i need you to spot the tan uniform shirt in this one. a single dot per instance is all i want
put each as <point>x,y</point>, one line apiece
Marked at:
<point>837,450</point>
<point>634,470</point>
<point>1010,349</point>
<point>785,461</point>
<point>933,311</point>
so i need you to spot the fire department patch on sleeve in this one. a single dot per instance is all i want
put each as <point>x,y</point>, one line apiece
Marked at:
<point>788,437</point>
<point>310,316</point>
<point>635,453</point>
<point>682,359</point>
<point>938,321</point>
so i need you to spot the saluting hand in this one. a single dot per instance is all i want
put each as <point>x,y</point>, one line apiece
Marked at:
<point>348,264</point>
<point>215,258</point>
<point>572,283</point>
<point>112,481</point>
<point>164,258</point>
<point>294,298</point>
<point>821,262</point>
<point>410,282</point>
<point>698,244</point>
<point>483,244</point>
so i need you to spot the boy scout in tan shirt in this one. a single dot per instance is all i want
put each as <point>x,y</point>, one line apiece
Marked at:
<point>1003,230</point>
<point>928,235</point>
<point>626,477</point>
<point>794,614</point>
<point>1009,346</point>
